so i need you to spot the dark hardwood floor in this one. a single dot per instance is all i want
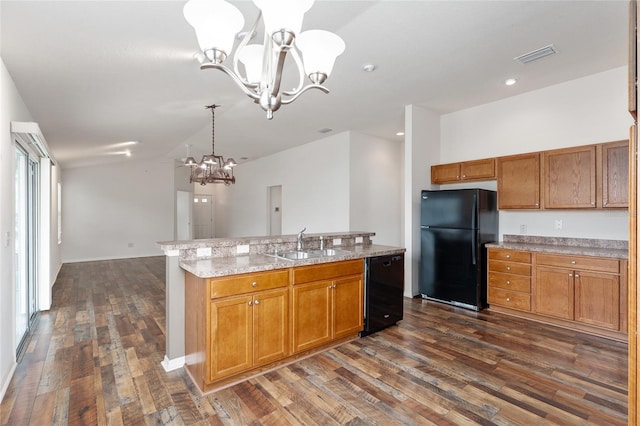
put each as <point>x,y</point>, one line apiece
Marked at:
<point>95,359</point>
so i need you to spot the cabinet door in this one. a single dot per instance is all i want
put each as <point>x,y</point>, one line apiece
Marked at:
<point>270,326</point>
<point>570,178</point>
<point>444,173</point>
<point>348,302</point>
<point>615,174</point>
<point>479,169</point>
<point>597,299</point>
<point>230,347</point>
<point>554,292</point>
<point>311,315</point>
<point>519,182</point>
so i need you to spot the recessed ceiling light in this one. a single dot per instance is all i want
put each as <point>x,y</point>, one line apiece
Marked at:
<point>244,158</point>
<point>325,130</point>
<point>510,81</point>
<point>369,67</point>
<point>400,134</point>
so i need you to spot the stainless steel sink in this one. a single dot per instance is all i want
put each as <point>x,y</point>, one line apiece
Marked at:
<point>307,254</point>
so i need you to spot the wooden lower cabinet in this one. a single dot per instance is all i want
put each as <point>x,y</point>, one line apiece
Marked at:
<point>248,331</point>
<point>585,293</point>
<point>327,310</point>
<point>240,325</point>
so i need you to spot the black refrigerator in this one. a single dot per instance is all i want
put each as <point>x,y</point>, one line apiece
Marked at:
<point>455,225</point>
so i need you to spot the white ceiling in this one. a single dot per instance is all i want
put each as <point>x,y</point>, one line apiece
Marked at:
<point>98,73</point>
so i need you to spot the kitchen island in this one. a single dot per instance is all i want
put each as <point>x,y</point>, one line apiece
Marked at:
<point>223,264</point>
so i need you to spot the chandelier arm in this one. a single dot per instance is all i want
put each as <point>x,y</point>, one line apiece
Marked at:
<point>245,40</point>
<point>298,61</point>
<point>277,78</point>
<point>246,88</point>
<point>304,89</point>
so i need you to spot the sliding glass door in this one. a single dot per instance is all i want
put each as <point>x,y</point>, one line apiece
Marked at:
<point>26,243</point>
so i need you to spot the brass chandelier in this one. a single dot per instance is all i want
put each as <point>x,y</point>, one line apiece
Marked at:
<point>212,168</point>
<point>217,22</point>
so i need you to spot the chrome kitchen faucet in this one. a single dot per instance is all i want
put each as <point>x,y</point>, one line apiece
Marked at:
<point>300,237</point>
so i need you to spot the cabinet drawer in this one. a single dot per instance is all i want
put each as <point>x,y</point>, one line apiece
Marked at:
<point>510,267</point>
<point>510,255</point>
<point>510,282</point>
<point>509,299</point>
<point>325,271</point>
<point>579,262</point>
<point>247,283</point>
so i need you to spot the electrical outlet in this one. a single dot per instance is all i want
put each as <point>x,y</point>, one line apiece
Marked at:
<point>523,229</point>
<point>203,252</point>
<point>242,249</point>
<point>558,223</point>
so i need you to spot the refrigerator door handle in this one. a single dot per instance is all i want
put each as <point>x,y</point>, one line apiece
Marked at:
<point>474,260</point>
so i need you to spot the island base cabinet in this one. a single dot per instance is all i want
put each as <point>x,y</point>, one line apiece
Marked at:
<point>311,315</point>
<point>348,300</point>
<point>326,311</point>
<point>231,336</point>
<point>248,331</point>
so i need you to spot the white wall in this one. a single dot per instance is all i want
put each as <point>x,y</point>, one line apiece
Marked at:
<point>588,110</point>
<point>13,108</point>
<point>422,149</point>
<point>375,195</point>
<point>117,210</point>
<point>315,191</point>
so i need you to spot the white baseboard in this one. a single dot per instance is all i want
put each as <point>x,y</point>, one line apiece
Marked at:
<point>7,381</point>
<point>172,364</point>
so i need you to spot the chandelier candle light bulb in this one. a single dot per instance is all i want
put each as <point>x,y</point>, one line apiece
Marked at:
<point>217,22</point>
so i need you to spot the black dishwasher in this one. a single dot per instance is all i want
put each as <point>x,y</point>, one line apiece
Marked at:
<point>383,292</point>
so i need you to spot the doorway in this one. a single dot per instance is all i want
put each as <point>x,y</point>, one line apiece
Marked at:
<point>203,216</point>
<point>25,245</point>
<point>274,212</point>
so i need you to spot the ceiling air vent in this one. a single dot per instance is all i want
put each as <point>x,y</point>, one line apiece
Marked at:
<point>536,54</point>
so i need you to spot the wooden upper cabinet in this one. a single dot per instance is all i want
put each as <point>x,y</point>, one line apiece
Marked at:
<point>484,169</point>
<point>570,178</point>
<point>615,174</point>
<point>519,181</point>
<point>445,173</point>
<point>479,169</point>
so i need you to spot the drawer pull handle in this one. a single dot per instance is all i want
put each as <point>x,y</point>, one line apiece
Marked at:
<point>508,282</point>
<point>573,262</point>
<point>508,299</point>
<point>254,284</point>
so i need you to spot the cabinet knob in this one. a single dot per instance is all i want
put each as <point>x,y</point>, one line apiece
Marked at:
<point>464,176</point>
<point>605,203</point>
<point>250,303</point>
<point>570,275</point>
<point>573,262</point>
<point>508,268</point>
<point>593,204</point>
<point>508,299</point>
<point>254,284</point>
<point>577,276</point>
<point>537,204</point>
<point>508,256</point>
<point>508,282</point>
<point>257,302</point>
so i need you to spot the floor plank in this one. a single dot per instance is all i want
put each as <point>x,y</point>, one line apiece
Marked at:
<point>94,358</point>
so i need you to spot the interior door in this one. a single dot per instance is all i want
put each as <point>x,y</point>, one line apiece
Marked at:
<point>203,216</point>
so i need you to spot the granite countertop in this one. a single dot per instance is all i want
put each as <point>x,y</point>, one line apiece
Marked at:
<point>232,265</point>
<point>576,246</point>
